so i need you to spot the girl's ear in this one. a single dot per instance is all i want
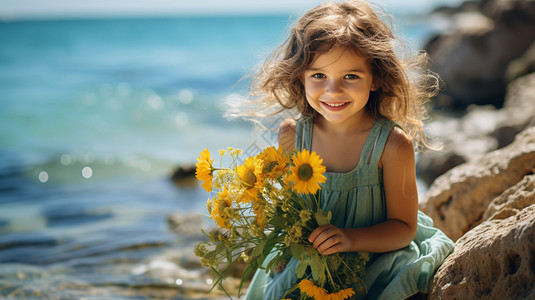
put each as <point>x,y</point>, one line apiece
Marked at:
<point>375,86</point>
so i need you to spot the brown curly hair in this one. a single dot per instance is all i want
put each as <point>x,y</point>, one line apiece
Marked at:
<point>403,85</point>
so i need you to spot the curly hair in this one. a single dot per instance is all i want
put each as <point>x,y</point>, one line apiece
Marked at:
<point>404,86</point>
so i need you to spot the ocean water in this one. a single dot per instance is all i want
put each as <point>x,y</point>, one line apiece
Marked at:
<point>95,114</point>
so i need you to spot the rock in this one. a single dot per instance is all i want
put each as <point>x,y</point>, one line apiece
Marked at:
<point>186,224</point>
<point>176,274</point>
<point>519,110</point>
<point>433,164</point>
<point>464,139</point>
<point>190,225</point>
<point>458,199</point>
<point>514,199</point>
<point>470,56</point>
<point>184,176</point>
<point>521,66</point>
<point>488,203</point>
<point>492,261</point>
<point>463,7</point>
<point>481,130</point>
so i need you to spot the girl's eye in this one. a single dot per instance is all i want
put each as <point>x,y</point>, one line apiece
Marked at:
<point>318,76</point>
<point>351,76</point>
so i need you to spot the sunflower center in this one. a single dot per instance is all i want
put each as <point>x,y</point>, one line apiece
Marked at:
<point>249,179</point>
<point>305,172</point>
<point>269,167</point>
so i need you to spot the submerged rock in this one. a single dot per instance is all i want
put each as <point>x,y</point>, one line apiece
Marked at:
<point>184,176</point>
<point>186,224</point>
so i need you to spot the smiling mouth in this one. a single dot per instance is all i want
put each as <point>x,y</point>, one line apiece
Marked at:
<point>335,104</point>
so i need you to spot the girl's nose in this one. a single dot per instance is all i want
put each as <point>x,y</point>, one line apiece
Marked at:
<point>334,87</point>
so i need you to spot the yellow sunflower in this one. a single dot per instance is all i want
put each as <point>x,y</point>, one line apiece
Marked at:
<point>250,176</point>
<point>219,203</point>
<point>307,172</point>
<point>274,162</point>
<point>341,295</point>
<point>205,170</point>
<point>310,289</point>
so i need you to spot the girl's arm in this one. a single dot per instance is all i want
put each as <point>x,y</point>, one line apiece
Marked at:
<point>287,135</point>
<point>399,228</point>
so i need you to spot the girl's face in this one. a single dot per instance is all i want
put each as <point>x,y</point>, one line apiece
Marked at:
<point>338,84</point>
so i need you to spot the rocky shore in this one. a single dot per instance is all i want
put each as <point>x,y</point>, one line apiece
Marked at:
<point>482,183</point>
<point>488,207</point>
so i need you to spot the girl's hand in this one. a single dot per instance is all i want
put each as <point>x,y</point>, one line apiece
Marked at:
<point>329,239</point>
<point>280,266</point>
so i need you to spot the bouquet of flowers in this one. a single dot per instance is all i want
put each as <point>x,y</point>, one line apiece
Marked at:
<point>269,205</point>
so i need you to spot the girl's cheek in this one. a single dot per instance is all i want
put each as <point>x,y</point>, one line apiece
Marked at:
<point>312,88</point>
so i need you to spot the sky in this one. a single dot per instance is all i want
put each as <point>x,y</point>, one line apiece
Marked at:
<point>31,9</point>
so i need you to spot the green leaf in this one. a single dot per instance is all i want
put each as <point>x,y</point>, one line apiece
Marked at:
<point>302,267</point>
<point>309,250</point>
<point>277,221</point>
<point>298,251</point>
<point>318,268</point>
<point>245,276</point>
<point>323,217</point>
<point>269,243</point>
<point>229,256</point>
<point>273,262</point>
<point>259,248</point>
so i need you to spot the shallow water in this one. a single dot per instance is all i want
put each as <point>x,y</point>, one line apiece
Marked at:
<point>98,239</point>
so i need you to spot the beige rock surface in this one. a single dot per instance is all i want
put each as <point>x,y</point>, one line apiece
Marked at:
<point>458,199</point>
<point>495,260</point>
<point>513,200</point>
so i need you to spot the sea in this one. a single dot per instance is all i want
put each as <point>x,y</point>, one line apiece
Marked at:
<point>95,116</point>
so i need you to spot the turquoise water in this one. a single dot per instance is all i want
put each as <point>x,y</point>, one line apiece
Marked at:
<point>94,117</point>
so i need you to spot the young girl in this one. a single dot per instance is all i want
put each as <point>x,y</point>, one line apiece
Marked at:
<point>362,114</point>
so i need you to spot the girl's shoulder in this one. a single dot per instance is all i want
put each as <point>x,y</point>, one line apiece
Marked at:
<point>287,131</point>
<point>398,147</point>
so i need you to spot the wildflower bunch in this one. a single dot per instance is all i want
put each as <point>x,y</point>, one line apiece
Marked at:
<point>269,203</point>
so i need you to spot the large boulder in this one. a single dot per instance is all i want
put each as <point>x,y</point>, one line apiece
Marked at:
<point>458,199</point>
<point>472,55</point>
<point>492,261</point>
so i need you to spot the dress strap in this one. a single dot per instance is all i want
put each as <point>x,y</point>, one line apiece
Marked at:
<point>375,144</point>
<point>302,134</point>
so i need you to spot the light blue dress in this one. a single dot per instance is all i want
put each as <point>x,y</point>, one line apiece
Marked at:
<point>356,199</point>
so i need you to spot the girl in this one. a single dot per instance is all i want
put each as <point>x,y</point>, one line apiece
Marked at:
<point>362,114</point>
